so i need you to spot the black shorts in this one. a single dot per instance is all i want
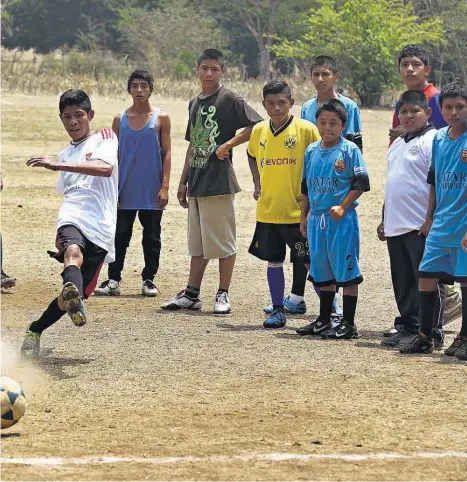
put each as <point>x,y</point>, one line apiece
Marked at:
<point>93,255</point>
<point>270,242</point>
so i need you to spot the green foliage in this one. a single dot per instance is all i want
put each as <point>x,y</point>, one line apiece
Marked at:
<point>365,35</point>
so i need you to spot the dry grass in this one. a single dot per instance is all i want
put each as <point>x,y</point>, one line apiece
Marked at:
<point>139,381</point>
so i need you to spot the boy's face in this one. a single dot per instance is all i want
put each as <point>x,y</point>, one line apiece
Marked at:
<point>210,72</point>
<point>414,72</point>
<point>323,78</point>
<point>140,90</point>
<point>76,121</point>
<point>330,127</point>
<point>454,111</point>
<point>413,117</point>
<point>278,106</point>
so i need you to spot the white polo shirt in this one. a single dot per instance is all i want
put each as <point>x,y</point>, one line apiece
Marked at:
<point>406,192</point>
<point>90,202</point>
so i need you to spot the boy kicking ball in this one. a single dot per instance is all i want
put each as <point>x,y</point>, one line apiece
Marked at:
<point>334,177</point>
<point>445,257</point>
<point>86,222</point>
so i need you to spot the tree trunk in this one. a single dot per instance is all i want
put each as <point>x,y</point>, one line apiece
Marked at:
<point>264,62</point>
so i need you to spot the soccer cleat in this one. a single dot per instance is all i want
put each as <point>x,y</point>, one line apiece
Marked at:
<point>396,338</point>
<point>74,304</point>
<point>438,339</point>
<point>455,345</point>
<point>461,352</point>
<point>109,287</point>
<point>182,302</point>
<point>289,307</point>
<point>416,344</point>
<point>149,288</point>
<point>453,309</point>
<point>343,331</point>
<point>31,345</point>
<point>7,282</point>
<point>222,304</point>
<point>276,320</point>
<point>316,327</point>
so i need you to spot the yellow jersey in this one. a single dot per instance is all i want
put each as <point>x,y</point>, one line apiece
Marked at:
<point>279,155</point>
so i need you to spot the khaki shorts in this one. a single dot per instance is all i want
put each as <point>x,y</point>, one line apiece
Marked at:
<point>211,226</point>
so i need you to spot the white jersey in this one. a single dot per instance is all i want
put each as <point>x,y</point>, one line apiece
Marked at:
<point>406,192</point>
<point>90,202</point>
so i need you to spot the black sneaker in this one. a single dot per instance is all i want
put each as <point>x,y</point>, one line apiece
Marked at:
<point>316,327</point>
<point>343,331</point>
<point>455,345</point>
<point>416,344</point>
<point>396,338</point>
<point>461,352</point>
<point>438,340</point>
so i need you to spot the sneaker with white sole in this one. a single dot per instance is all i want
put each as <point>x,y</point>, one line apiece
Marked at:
<point>182,302</point>
<point>109,287</point>
<point>222,304</point>
<point>149,288</point>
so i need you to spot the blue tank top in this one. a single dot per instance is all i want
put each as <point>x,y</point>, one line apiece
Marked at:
<point>139,164</point>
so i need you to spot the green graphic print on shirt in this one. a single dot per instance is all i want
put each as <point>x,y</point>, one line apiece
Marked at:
<point>203,135</point>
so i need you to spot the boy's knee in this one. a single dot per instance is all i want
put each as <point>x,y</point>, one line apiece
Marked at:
<point>73,252</point>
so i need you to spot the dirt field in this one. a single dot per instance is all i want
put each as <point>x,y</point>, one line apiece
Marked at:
<point>206,397</point>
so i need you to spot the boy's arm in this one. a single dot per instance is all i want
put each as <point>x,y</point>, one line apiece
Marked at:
<point>166,146</point>
<point>425,229</point>
<point>182,187</point>
<point>255,174</point>
<point>116,125</point>
<point>305,209</point>
<point>93,167</point>
<point>337,212</point>
<point>222,151</point>
<point>380,228</point>
<point>464,242</point>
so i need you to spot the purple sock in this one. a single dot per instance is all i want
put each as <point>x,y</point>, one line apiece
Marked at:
<point>276,282</point>
<point>317,290</point>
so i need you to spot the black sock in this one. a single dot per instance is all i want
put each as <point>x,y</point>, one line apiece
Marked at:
<point>50,316</point>
<point>299,279</point>
<point>192,292</point>
<point>464,312</point>
<point>220,290</point>
<point>325,304</point>
<point>73,274</point>
<point>349,308</point>
<point>426,306</point>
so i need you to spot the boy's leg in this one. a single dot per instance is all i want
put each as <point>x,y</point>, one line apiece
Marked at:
<point>151,222</point>
<point>123,233</point>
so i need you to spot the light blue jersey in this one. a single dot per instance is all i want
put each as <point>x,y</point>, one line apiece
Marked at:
<point>448,173</point>
<point>330,174</point>
<point>354,124</point>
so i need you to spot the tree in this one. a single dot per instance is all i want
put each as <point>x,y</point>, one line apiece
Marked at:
<point>365,35</point>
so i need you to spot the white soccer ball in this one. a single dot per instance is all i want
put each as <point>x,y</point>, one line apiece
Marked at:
<point>13,402</point>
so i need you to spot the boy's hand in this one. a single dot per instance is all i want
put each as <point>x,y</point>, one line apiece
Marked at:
<point>181,196</point>
<point>43,162</point>
<point>397,132</point>
<point>464,242</point>
<point>303,229</point>
<point>222,151</point>
<point>257,191</point>
<point>380,231</point>
<point>163,197</point>
<point>425,229</point>
<point>337,213</point>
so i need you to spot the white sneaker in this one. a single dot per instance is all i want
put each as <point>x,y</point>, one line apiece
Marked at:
<point>222,304</point>
<point>182,302</point>
<point>149,288</point>
<point>109,287</point>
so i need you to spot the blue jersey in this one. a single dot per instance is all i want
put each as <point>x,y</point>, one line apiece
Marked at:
<point>329,174</point>
<point>448,173</point>
<point>354,124</point>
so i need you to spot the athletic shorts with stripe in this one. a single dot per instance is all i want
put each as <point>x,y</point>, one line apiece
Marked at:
<point>270,241</point>
<point>93,255</point>
<point>448,264</point>
<point>334,249</point>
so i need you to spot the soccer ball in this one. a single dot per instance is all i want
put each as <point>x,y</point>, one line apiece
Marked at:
<point>13,402</point>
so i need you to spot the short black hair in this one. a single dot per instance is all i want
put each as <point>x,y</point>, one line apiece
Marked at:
<point>277,87</point>
<point>451,90</point>
<point>326,60</point>
<point>333,105</point>
<point>414,97</point>
<point>414,50</point>
<point>141,74</point>
<point>212,54</point>
<point>75,97</point>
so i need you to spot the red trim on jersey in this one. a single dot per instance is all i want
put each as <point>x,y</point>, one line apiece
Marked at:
<point>106,133</point>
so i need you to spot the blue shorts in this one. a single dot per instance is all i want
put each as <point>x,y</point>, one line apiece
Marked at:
<point>334,249</point>
<point>447,264</point>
